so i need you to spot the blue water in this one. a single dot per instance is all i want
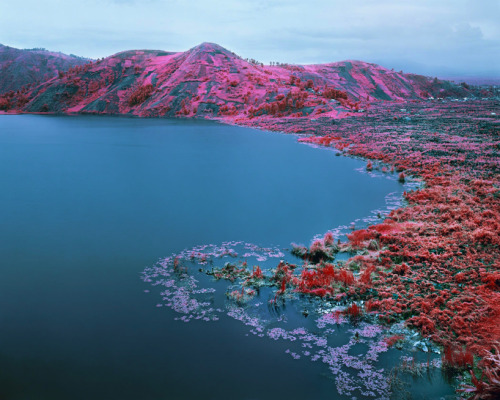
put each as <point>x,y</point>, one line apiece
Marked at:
<point>88,202</point>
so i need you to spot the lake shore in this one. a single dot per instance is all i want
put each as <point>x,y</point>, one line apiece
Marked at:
<point>436,264</point>
<point>110,195</point>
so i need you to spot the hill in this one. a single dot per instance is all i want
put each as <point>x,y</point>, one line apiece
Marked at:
<point>209,80</point>
<point>19,68</point>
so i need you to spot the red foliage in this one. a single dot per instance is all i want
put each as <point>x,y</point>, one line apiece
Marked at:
<point>328,239</point>
<point>320,281</point>
<point>425,324</point>
<point>457,357</point>
<point>385,228</point>
<point>392,340</point>
<point>401,269</point>
<point>366,276</point>
<point>492,280</point>
<point>320,292</point>
<point>443,249</point>
<point>140,95</point>
<point>4,104</point>
<point>331,93</point>
<point>346,277</point>
<point>372,305</point>
<point>283,285</point>
<point>257,273</point>
<point>357,237</point>
<point>486,236</point>
<point>354,310</point>
<point>437,266</point>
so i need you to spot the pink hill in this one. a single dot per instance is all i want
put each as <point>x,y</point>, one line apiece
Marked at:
<point>19,68</point>
<point>211,81</point>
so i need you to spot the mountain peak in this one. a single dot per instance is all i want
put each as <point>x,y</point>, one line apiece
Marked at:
<point>209,48</point>
<point>209,52</point>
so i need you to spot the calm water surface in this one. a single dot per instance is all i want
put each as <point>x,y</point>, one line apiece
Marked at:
<point>88,202</point>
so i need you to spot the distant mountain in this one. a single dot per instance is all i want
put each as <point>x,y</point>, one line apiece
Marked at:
<point>475,80</point>
<point>209,80</point>
<point>23,67</point>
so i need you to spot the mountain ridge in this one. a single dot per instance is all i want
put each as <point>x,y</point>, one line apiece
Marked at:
<point>19,67</point>
<point>211,81</point>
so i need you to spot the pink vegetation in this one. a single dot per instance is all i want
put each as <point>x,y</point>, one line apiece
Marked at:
<point>435,262</point>
<point>392,340</point>
<point>210,81</point>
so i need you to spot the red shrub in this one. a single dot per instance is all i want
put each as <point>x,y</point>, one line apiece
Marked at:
<point>457,357</point>
<point>4,104</point>
<point>331,93</point>
<point>372,305</point>
<point>346,277</point>
<point>354,310</point>
<point>366,276</point>
<point>391,340</point>
<point>425,324</point>
<point>140,95</point>
<point>401,269</point>
<point>257,273</point>
<point>283,285</point>
<point>328,239</point>
<point>360,236</point>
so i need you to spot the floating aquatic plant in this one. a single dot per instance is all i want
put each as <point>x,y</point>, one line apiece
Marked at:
<point>180,278</point>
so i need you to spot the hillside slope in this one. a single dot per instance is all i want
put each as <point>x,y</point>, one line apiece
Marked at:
<point>210,81</point>
<point>24,67</point>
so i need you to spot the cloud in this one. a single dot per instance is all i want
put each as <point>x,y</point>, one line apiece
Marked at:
<point>458,35</point>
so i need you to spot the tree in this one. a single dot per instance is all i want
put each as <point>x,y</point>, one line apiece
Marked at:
<point>4,104</point>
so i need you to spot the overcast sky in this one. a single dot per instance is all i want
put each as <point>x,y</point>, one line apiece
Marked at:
<point>433,37</point>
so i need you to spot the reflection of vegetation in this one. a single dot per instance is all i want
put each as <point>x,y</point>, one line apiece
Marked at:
<point>398,387</point>
<point>242,296</point>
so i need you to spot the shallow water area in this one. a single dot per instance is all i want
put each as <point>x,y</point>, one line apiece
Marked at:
<point>354,351</point>
<point>89,204</point>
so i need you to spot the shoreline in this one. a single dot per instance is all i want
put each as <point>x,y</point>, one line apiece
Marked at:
<point>459,344</point>
<point>460,283</point>
<point>436,267</point>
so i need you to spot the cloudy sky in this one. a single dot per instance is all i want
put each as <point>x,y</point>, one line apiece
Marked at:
<point>443,38</point>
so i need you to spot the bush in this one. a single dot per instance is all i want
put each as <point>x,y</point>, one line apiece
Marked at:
<point>331,93</point>
<point>140,95</point>
<point>4,104</point>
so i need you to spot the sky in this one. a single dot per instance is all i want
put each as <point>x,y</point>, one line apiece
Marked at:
<point>444,38</point>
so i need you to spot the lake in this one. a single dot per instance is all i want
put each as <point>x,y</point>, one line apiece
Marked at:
<point>90,203</point>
